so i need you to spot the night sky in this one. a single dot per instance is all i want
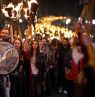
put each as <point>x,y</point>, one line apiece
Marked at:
<point>59,7</point>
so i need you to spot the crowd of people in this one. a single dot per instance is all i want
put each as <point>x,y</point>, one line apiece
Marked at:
<point>47,67</point>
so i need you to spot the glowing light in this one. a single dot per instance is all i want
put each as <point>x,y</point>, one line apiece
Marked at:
<point>80,19</point>
<point>93,21</point>
<point>18,9</point>
<point>10,5</point>
<point>44,25</point>
<point>20,20</point>
<point>34,1</point>
<point>68,21</point>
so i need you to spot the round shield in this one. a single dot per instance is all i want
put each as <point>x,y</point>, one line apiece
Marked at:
<point>9,58</point>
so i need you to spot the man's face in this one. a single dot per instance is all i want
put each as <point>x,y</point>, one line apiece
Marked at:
<point>44,41</point>
<point>40,44</point>
<point>65,42</point>
<point>4,34</point>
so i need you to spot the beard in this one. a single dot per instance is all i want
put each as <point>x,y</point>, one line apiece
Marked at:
<point>7,39</point>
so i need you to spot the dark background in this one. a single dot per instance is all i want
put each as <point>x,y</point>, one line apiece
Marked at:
<point>60,7</point>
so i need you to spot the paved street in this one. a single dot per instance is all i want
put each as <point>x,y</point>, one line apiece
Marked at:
<point>57,95</point>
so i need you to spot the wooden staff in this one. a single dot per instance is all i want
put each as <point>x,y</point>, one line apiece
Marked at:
<point>11,30</point>
<point>30,32</point>
<point>30,25</point>
<point>1,5</point>
<point>86,12</point>
<point>89,14</point>
<point>19,33</point>
<point>26,38</point>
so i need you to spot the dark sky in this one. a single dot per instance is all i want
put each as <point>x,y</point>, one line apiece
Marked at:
<point>59,7</point>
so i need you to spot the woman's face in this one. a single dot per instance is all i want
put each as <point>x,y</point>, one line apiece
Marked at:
<point>17,44</point>
<point>40,44</point>
<point>35,45</point>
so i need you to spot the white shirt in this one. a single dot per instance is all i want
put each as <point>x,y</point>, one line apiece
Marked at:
<point>34,69</point>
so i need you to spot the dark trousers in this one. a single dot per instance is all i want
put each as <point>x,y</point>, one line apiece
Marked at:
<point>70,88</point>
<point>35,86</point>
<point>54,79</point>
<point>1,92</point>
